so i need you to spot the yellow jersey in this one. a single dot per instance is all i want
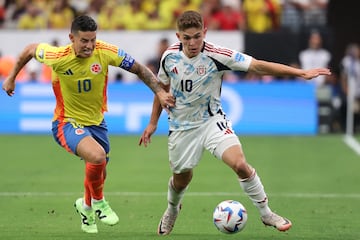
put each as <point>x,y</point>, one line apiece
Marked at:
<point>80,84</point>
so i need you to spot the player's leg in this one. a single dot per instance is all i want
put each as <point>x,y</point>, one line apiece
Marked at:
<point>99,133</point>
<point>78,140</point>
<point>185,151</point>
<point>177,187</point>
<point>94,156</point>
<point>250,182</point>
<point>68,136</point>
<point>94,150</point>
<point>225,145</point>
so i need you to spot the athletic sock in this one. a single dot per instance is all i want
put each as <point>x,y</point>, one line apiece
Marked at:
<point>253,187</point>
<point>174,197</point>
<point>95,179</point>
<point>87,195</point>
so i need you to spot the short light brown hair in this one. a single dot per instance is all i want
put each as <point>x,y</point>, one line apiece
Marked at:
<point>189,19</point>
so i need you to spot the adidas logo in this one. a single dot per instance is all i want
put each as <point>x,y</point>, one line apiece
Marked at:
<point>228,131</point>
<point>223,127</point>
<point>68,72</point>
<point>174,70</point>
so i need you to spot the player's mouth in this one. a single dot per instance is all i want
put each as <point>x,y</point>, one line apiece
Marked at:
<point>193,51</point>
<point>87,52</point>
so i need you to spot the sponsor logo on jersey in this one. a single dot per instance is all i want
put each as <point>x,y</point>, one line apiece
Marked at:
<point>228,131</point>
<point>95,68</point>
<point>79,131</point>
<point>239,57</point>
<point>69,72</point>
<point>174,70</point>
<point>201,70</point>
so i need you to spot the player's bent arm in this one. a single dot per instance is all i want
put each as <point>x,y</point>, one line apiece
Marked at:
<point>261,67</point>
<point>25,56</point>
<point>147,76</point>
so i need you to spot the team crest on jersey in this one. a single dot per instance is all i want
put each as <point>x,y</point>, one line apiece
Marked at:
<point>95,68</point>
<point>79,131</point>
<point>201,70</point>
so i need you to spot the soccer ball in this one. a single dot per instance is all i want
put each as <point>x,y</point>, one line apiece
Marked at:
<point>230,216</point>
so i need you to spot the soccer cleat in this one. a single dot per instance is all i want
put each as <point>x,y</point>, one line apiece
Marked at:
<point>105,213</point>
<point>167,221</point>
<point>87,217</point>
<point>274,220</point>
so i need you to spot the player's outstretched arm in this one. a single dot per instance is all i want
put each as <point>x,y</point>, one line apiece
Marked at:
<point>25,56</point>
<point>261,67</point>
<point>147,76</point>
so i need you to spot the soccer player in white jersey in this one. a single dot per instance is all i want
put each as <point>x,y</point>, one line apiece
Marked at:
<point>192,71</point>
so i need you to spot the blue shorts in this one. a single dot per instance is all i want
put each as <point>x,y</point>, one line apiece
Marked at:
<point>69,134</point>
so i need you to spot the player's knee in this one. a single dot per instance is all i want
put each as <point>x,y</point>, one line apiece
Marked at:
<point>242,169</point>
<point>180,186</point>
<point>181,181</point>
<point>96,157</point>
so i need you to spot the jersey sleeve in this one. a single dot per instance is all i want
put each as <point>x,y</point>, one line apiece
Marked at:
<point>163,74</point>
<point>233,60</point>
<point>47,54</point>
<point>240,61</point>
<point>116,56</point>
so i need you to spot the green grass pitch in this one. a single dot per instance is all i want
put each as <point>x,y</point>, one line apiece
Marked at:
<point>312,180</point>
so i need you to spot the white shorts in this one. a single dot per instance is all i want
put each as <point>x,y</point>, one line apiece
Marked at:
<point>186,147</point>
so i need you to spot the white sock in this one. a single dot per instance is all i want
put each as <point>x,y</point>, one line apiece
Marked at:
<point>96,200</point>
<point>85,206</point>
<point>174,198</point>
<point>253,187</point>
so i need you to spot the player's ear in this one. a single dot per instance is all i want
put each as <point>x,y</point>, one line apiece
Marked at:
<point>71,37</point>
<point>205,31</point>
<point>178,35</point>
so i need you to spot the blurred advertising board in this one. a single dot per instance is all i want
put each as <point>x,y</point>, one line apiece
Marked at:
<point>275,108</point>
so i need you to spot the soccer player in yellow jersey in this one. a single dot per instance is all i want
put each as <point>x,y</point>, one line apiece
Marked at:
<point>79,81</point>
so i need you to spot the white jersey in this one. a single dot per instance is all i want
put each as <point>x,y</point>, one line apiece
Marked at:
<point>196,82</point>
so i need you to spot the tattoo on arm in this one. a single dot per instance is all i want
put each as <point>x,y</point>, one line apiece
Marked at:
<point>146,76</point>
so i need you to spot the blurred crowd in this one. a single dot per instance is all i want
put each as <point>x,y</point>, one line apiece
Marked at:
<point>247,15</point>
<point>255,16</point>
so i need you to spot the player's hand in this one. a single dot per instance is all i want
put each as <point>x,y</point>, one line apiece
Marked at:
<point>146,136</point>
<point>313,73</point>
<point>167,100</point>
<point>9,86</point>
